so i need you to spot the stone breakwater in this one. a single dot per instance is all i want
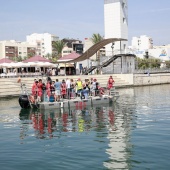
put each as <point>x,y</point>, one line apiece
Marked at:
<point>9,86</point>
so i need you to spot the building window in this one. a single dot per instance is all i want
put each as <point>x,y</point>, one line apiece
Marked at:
<point>124,20</point>
<point>123,5</point>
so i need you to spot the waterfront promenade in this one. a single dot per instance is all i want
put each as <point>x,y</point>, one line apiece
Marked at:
<point>9,86</point>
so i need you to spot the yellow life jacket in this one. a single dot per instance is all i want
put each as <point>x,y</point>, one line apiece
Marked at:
<point>79,85</point>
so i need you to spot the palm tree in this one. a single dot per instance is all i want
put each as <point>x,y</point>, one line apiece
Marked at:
<point>58,47</point>
<point>95,39</point>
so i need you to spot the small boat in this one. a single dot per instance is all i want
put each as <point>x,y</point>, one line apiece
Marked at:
<point>25,102</point>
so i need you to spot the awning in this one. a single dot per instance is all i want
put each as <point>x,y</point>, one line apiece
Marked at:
<point>65,65</point>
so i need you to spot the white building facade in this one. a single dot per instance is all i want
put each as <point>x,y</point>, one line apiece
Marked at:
<point>13,49</point>
<point>160,52</point>
<point>116,23</point>
<point>43,42</point>
<point>142,43</point>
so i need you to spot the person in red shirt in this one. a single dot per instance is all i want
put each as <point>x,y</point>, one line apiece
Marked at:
<point>110,82</point>
<point>63,89</point>
<point>48,92</point>
<point>35,88</point>
<point>34,95</point>
<point>40,89</point>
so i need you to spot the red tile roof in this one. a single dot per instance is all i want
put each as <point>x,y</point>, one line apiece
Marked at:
<point>5,60</point>
<point>71,56</point>
<point>36,58</point>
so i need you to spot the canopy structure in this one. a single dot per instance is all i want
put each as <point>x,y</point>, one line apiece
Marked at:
<point>65,65</point>
<point>69,57</point>
<point>92,50</point>
<point>36,58</point>
<point>45,64</point>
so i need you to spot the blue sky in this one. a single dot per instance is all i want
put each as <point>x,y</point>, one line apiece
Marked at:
<point>81,18</point>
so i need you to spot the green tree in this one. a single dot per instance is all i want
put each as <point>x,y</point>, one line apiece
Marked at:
<point>148,63</point>
<point>167,64</point>
<point>31,54</point>
<point>57,48</point>
<point>95,39</point>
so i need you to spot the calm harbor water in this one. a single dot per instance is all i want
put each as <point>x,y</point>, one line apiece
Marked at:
<point>133,133</point>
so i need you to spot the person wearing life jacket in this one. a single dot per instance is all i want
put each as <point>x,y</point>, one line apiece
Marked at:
<point>40,91</point>
<point>48,92</point>
<point>63,89</point>
<point>79,85</point>
<point>110,82</point>
<point>34,91</point>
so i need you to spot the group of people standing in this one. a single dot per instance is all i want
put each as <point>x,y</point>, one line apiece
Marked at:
<point>66,89</point>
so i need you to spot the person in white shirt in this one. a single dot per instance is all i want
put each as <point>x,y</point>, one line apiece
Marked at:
<point>68,83</point>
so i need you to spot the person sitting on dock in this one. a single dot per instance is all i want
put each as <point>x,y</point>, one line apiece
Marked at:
<point>101,91</point>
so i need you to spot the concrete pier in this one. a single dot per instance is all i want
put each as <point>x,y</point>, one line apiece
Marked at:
<point>9,86</point>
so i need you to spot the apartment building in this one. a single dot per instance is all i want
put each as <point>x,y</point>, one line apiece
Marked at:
<point>142,43</point>
<point>43,42</point>
<point>72,45</point>
<point>13,49</point>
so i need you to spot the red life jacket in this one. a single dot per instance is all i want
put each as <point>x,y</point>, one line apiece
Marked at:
<point>111,80</point>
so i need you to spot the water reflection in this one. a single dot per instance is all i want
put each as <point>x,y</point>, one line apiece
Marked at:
<point>108,122</point>
<point>46,123</point>
<point>101,137</point>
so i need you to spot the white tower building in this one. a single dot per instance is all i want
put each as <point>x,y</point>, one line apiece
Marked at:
<point>116,23</point>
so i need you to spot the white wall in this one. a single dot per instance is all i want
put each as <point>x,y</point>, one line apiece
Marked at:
<point>160,53</point>
<point>116,22</point>
<point>142,43</point>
